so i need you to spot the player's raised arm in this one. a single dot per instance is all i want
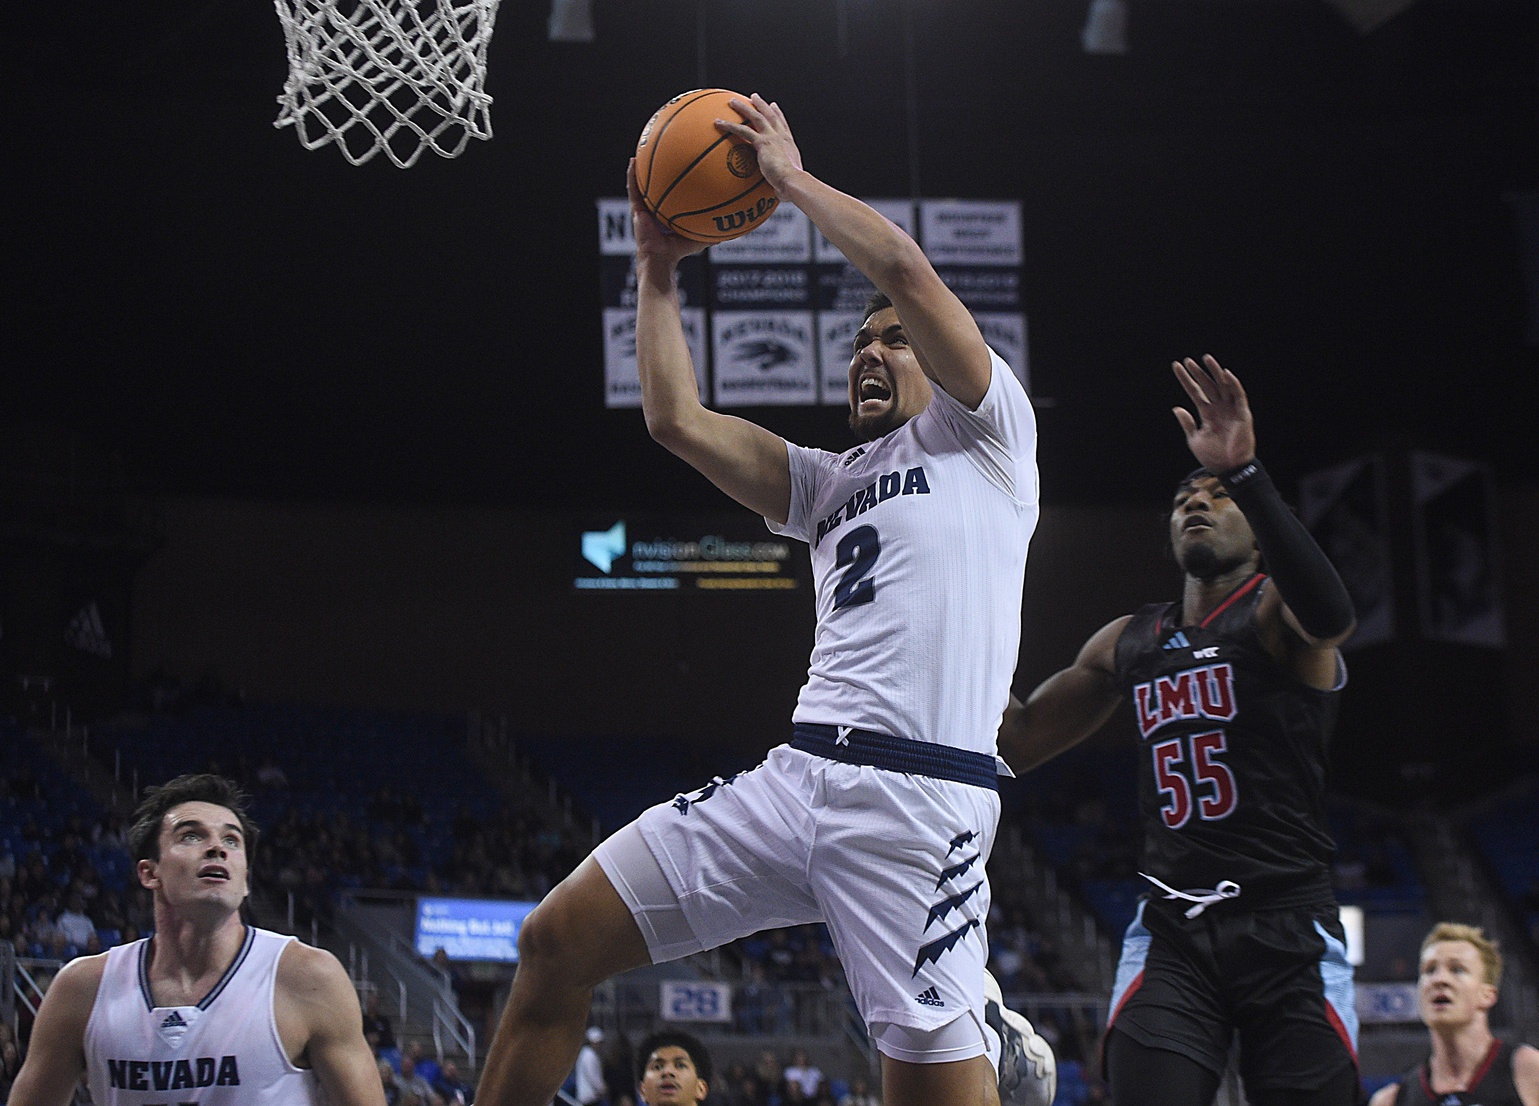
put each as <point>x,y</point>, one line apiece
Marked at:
<point>744,460</point>
<point>1067,707</point>
<point>1222,437</point>
<point>944,335</point>
<point>314,989</point>
<point>56,1055</point>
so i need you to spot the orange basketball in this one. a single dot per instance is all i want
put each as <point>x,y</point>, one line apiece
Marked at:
<point>699,182</point>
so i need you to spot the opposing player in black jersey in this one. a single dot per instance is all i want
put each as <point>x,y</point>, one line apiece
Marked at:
<point>1233,688</point>
<point>1461,969</point>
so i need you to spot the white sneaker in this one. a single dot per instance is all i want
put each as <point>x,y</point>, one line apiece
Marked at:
<point>1028,1074</point>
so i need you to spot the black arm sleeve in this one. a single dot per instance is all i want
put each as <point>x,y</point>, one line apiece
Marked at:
<point>1305,577</point>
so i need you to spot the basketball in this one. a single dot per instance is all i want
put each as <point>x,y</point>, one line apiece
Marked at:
<point>699,182</point>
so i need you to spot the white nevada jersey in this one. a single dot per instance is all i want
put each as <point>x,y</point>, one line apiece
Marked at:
<point>224,1051</point>
<point>918,555</point>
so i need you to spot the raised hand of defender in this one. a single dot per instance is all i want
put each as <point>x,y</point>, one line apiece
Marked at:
<point>653,240</point>
<point>766,128</point>
<point>1221,435</point>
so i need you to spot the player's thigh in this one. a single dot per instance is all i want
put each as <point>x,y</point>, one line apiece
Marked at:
<point>958,1083</point>
<point>1168,995</point>
<point>1342,1089</point>
<point>582,932</point>
<point>899,872</point>
<point>1293,1003</point>
<point>1141,1075</point>
<point>729,859</point>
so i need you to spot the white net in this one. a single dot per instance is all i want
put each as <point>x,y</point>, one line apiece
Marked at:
<point>387,76</point>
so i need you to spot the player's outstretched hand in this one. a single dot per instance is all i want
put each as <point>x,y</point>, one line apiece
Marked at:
<point>766,128</point>
<point>1221,435</point>
<point>653,240</point>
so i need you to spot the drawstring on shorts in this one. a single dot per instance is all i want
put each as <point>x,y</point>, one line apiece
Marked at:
<point>1201,898</point>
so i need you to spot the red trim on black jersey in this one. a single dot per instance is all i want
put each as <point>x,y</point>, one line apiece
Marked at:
<point>1242,590</point>
<point>1340,1028</point>
<point>1480,1074</point>
<point>1475,1080</point>
<point>1138,981</point>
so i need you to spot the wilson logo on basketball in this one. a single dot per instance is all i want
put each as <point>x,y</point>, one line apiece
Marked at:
<point>742,161</point>
<point>738,219</point>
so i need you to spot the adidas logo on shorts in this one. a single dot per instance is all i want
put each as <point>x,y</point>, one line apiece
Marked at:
<point>930,997</point>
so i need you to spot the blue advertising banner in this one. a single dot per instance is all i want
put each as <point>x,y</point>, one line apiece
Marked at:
<point>470,929</point>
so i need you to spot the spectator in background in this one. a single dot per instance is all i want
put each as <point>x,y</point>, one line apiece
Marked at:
<point>377,1023</point>
<point>591,1087</point>
<point>412,1083</point>
<point>426,1066</point>
<point>73,924</point>
<point>451,1088</point>
<point>392,1086</point>
<point>768,1069</point>
<point>804,1074</point>
<point>860,1095</point>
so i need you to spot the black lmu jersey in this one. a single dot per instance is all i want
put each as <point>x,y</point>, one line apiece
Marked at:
<point>1493,1085</point>
<point>1233,755</point>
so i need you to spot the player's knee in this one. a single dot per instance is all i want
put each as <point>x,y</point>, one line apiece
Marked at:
<point>545,938</point>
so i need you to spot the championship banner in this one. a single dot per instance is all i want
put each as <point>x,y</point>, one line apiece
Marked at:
<point>617,276</point>
<point>761,315</point>
<point>772,315</point>
<point>728,552</point>
<point>841,296</point>
<point>1458,583</point>
<point>976,247</point>
<point>1346,509</point>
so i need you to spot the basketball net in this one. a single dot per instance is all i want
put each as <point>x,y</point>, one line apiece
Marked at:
<point>387,76</point>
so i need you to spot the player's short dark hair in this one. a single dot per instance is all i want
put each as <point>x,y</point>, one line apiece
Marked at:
<point>673,1038</point>
<point>1198,473</point>
<point>879,301</point>
<point>144,834</point>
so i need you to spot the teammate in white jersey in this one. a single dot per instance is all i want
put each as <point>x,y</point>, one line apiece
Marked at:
<point>209,1010</point>
<point>879,816</point>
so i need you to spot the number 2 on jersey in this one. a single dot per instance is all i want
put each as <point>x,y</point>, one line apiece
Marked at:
<point>1208,772</point>
<point>856,553</point>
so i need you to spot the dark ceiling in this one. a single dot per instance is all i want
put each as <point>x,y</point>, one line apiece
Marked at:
<point>229,313</point>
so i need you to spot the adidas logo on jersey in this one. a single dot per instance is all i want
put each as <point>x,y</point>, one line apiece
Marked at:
<point>173,1019</point>
<point>930,997</point>
<point>1177,640</point>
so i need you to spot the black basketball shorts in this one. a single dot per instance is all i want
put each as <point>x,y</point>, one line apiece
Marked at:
<point>1278,978</point>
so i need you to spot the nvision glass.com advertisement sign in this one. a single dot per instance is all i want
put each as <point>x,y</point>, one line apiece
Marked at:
<point>730,553</point>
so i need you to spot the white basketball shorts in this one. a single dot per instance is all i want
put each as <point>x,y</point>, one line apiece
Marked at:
<point>892,862</point>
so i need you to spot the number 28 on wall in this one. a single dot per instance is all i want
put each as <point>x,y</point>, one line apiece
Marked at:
<point>1198,774</point>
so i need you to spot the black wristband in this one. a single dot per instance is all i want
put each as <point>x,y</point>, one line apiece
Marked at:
<point>1250,474</point>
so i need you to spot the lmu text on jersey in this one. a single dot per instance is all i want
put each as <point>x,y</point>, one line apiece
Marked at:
<point>1206,692</point>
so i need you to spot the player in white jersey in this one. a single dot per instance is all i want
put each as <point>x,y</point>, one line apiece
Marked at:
<point>879,816</point>
<point>209,1010</point>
